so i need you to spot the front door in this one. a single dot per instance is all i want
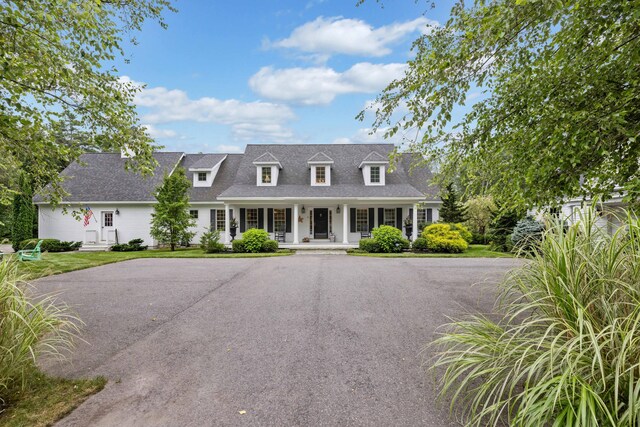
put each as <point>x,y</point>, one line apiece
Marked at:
<point>321,223</point>
<point>106,224</point>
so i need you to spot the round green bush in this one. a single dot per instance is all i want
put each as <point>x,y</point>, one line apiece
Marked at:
<point>464,232</point>
<point>441,239</point>
<point>369,245</point>
<point>527,235</point>
<point>389,239</point>
<point>254,238</point>
<point>420,245</point>
<point>238,246</point>
<point>270,246</point>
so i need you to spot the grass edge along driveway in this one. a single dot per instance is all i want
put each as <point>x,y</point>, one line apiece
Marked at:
<point>64,262</point>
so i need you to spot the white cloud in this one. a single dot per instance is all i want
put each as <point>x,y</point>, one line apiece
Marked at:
<point>320,85</point>
<point>157,133</point>
<point>367,136</point>
<point>257,120</point>
<point>350,36</point>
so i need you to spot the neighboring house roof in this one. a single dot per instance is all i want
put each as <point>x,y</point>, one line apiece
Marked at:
<point>206,161</point>
<point>320,158</point>
<point>102,177</point>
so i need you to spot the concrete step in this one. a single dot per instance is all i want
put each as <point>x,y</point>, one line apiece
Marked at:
<point>321,252</point>
<point>94,248</point>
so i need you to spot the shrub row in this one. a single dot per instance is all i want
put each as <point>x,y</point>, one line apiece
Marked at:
<point>385,239</point>
<point>50,245</point>
<point>132,246</point>
<point>254,240</point>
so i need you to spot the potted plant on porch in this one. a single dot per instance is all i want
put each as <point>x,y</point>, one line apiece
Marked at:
<point>233,227</point>
<point>408,227</point>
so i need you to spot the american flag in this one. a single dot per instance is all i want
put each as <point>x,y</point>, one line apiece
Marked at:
<point>88,213</point>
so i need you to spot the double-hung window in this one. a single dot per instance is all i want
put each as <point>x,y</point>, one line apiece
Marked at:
<point>362,220</point>
<point>220,217</point>
<point>252,218</point>
<point>375,174</point>
<point>390,217</point>
<point>321,175</point>
<point>266,174</point>
<point>193,213</point>
<point>279,220</point>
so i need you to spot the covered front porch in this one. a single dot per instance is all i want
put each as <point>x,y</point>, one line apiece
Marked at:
<point>323,224</point>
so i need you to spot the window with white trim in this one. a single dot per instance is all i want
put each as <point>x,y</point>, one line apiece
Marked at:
<point>375,174</point>
<point>321,175</point>
<point>202,176</point>
<point>193,213</point>
<point>266,174</point>
<point>422,216</point>
<point>390,217</point>
<point>362,220</point>
<point>252,218</point>
<point>220,219</point>
<point>279,220</point>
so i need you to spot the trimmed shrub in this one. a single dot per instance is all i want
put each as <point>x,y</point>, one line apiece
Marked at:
<point>270,246</point>
<point>420,245</point>
<point>368,245</point>
<point>253,239</point>
<point>464,232</point>
<point>238,246</point>
<point>480,239</point>
<point>389,239</point>
<point>50,245</point>
<point>441,239</point>
<point>133,246</point>
<point>210,242</point>
<point>527,235</point>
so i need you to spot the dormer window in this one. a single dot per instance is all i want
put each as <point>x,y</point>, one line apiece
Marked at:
<point>320,166</point>
<point>373,168</point>
<point>267,170</point>
<point>375,174</point>
<point>266,174</point>
<point>205,169</point>
<point>202,176</point>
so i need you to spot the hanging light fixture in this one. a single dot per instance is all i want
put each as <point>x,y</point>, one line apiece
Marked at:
<point>303,210</point>
<point>338,209</point>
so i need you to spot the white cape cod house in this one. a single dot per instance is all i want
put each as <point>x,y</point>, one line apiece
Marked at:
<point>302,194</point>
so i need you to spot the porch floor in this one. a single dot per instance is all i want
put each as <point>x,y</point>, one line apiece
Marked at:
<point>314,246</point>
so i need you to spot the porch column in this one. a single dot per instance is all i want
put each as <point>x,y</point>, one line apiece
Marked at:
<point>227,222</point>
<point>295,224</point>
<point>414,232</point>
<point>345,224</point>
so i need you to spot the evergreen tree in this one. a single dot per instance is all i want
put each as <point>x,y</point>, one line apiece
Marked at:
<point>502,225</point>
<point>23,213</point>
<point>452,211</point>
<point>171,221</point>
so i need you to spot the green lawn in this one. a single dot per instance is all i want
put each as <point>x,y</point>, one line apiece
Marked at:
<point>56,263</point>
<point>45,400</point>
<point>474,251</point>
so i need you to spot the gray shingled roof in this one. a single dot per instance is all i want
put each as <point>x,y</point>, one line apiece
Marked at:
<point>102,177</point>
<point>207,161</point>
<point>266,158</point>
<point>320,158</point>
<point>294,179</point>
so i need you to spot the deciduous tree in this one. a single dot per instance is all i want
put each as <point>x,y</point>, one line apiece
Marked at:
<point>558,114</point>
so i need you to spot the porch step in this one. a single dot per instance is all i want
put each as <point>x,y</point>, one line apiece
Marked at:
<point>94,248</point>
<point>321,252</point>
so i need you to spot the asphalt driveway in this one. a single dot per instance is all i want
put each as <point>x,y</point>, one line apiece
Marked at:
<point>300,340</point>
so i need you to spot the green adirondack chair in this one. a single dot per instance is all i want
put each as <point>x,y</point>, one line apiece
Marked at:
<point>31,254</point>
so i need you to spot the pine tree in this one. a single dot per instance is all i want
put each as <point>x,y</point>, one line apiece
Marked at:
<point>171,221</point>
<point>452,211</point>
<point>23,213</point>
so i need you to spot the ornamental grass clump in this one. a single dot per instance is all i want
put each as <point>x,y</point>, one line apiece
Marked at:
<point>28,328</point>
<point>566,348</point>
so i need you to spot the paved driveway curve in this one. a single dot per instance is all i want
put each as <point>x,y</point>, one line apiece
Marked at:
<point>302,340</point>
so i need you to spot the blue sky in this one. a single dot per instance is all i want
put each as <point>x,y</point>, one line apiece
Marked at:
<point>225,74</point>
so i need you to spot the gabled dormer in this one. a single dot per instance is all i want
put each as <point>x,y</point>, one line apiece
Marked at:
<point>374,168</point>
<point>205,169</point>
<point>267,170</point>
<point>320,168</point>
